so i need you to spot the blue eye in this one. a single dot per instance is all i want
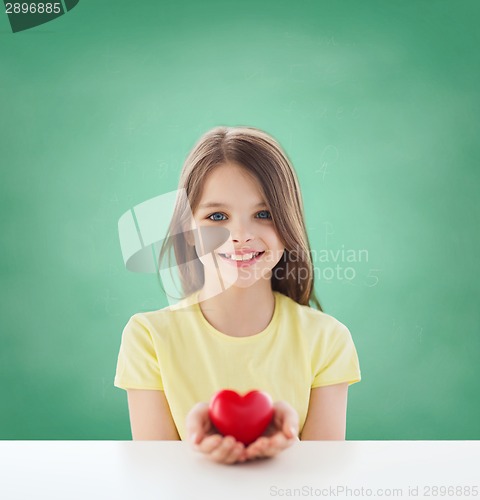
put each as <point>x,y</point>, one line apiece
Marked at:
<point>268,217</point>
<point>216,213</point>
<point>265,212</point>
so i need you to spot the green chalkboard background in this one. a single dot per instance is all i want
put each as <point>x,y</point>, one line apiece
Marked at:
<point>377,105</point>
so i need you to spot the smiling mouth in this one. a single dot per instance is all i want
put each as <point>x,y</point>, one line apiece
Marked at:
<point>241,258</point>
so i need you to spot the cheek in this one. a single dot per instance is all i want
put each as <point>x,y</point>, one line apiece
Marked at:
<point>267,232</point>
<point>275,257</point>
<point>276,249</point>
<point>273,241</point>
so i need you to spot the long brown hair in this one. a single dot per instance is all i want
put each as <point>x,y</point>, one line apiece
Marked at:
<point>262,157</point>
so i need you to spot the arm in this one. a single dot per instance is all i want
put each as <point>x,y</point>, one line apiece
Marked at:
<point>150,417</point>
<point>327,413</point>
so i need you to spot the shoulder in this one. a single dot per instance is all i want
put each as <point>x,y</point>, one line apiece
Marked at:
<point>158,323</point>
<point>143,325</point>
<point>312,323</point>
<point>308,315</point>
<point>137,331</point>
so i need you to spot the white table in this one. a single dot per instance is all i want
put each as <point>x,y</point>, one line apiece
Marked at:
<point>69,470</point>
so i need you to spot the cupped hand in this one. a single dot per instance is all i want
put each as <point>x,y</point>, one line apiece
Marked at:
<point>280,434</point>
<point>204,438</point>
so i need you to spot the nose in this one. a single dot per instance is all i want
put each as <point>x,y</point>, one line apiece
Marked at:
<point>240,232</point>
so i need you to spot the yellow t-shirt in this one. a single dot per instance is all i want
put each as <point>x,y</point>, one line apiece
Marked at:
<point>181,353</point>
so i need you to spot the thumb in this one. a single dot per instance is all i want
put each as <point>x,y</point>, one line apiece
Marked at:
<point>290,429</point>
<point>195,438</point>
<point>290,424</point>
<point>195,423</point>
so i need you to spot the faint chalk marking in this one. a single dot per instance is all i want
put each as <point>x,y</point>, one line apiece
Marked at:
<point>419,330</point>
<point>328,157</point>
<point>328,232</point>
<point>372,274</point>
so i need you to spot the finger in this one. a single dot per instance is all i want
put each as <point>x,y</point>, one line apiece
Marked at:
<point>243,455</point>
<point>193,420</point>
<point>195,438</point>
<point>289,420</point>
<point>268,448</point>
<point>210,443</point>
<point>257,448</point>
<point>279,417</point>
<point>197,423</point>
<point>235,453</point>
<point>278,443</point>
<point>198,410</point>
<point>291,431</point>
<point>272,446</point>
<point>221,452</point>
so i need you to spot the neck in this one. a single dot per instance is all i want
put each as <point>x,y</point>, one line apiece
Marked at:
<point>239,312</point>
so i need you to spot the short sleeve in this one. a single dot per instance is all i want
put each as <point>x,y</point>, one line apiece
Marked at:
<point>137,364</point>
<point>339,363</point>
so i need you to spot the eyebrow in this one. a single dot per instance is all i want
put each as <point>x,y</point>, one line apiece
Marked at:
<point>216,204</point>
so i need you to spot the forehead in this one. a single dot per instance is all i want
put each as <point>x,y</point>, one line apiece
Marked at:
<point>229,183</point>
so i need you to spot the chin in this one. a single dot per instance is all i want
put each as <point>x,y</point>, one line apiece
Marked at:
<point>246,283</point>
<point>243,284</point>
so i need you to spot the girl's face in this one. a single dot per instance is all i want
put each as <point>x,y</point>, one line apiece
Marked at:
<point>232,200</point>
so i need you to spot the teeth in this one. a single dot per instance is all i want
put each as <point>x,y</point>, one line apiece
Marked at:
<point>247,256</point>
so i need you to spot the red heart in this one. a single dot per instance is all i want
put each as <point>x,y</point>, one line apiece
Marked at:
<point>243,417</point>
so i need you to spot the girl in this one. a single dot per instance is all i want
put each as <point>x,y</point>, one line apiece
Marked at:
<point>245,323</point>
